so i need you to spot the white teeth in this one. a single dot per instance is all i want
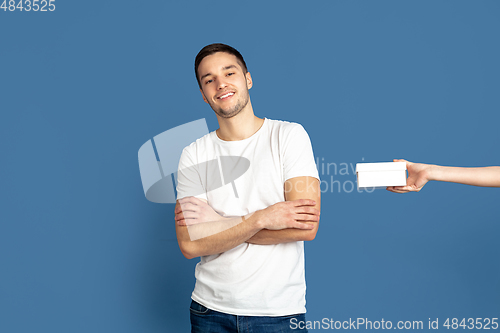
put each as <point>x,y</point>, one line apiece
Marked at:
<point>226,95</point>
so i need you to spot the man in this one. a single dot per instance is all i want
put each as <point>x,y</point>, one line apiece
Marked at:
<point>251,273</point>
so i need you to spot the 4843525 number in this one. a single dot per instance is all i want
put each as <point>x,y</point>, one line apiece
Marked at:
<point>29,5</point>
<point>471,323</point>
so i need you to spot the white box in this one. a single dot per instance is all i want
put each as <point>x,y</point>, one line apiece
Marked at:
<point>381,174</point>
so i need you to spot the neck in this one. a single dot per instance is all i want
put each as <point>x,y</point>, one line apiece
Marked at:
<point>242,126</point>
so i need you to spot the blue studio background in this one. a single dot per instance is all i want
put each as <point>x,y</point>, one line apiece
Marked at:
<point>83,87</point>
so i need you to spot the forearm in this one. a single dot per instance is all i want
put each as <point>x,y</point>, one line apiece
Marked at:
<point>207,239</point>
<point>484,176</point>
<point>272,237</point>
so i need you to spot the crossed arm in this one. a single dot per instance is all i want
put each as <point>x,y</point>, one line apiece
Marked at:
<point>295,189</point>
<point>295,219</point>
<point>419,174</point>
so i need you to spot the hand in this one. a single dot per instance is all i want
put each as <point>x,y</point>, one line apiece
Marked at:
<point>418,176</point>
<point>191,210</point>
<point>287,214</point>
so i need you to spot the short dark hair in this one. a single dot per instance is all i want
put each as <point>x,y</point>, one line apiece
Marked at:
<point>214,48</point>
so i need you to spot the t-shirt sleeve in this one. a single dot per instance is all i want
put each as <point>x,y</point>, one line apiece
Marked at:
<point>298,156</point>
<point>189,182</point>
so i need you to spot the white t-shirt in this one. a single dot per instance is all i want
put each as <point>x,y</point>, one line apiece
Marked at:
<point>252,280</point>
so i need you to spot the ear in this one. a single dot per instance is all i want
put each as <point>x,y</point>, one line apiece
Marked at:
<point>249,80</point>
<point>203,95</point>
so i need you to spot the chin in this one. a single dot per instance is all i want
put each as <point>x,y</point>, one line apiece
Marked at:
<point>224,114</point>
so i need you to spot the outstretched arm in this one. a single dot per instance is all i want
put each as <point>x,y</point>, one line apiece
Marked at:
<point>419,174</point>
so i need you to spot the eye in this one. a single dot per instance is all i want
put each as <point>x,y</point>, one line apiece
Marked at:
<point>229,74</point>
<point>208,81</point>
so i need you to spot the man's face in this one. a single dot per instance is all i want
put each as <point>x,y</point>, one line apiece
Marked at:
<point>224,85</point>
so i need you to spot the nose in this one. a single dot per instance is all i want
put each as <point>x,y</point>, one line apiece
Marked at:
<point>221,83</point>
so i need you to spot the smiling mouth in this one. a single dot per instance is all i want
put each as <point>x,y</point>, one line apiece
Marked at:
<point>229,94</point>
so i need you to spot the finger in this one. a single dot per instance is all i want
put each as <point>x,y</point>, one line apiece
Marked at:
<point>307,210</point>
<point>190,215</point>
<point>187,222</point>
<point>183,200</point>
<point>181,222</point>
<point>303,226</point>
<point>409,188</point>
<point>307,217</point>
<point>399,189</point>
<point>187,207</point>
<point>392,189</point>
<point>408,163</point>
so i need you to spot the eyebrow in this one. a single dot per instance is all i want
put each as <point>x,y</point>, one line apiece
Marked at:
<point>224,68</point>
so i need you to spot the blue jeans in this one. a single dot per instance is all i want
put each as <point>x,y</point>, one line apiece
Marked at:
<point>205,320</point>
